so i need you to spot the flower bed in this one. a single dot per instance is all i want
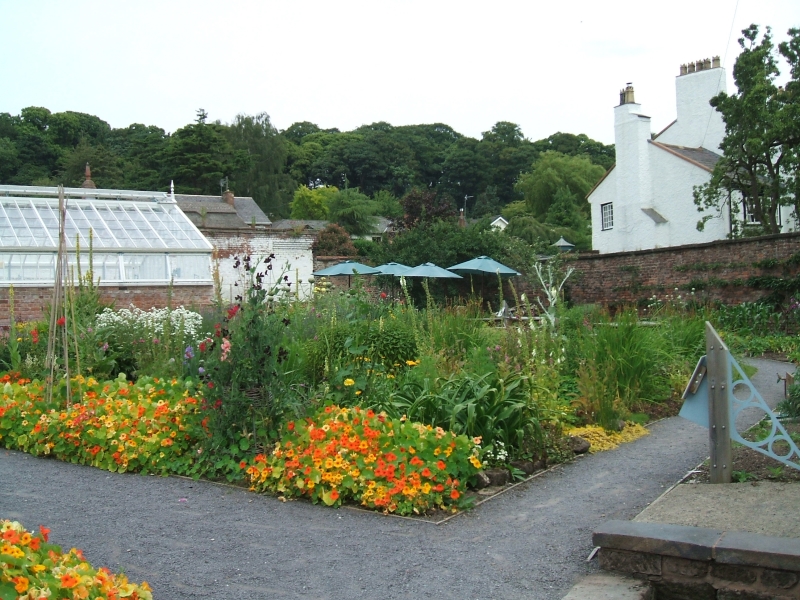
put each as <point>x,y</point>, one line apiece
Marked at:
<point>602,439</point>
<point>353,454</point>
<point>31,568</point>
<point>151,426</point>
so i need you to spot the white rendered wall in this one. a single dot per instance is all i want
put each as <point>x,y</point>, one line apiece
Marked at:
<point>669,191</point>
<point>698,124</point>
<point>293,257</point>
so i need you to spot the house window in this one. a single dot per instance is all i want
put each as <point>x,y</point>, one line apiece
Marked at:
<point>749,217</point>
<point>607,214</point>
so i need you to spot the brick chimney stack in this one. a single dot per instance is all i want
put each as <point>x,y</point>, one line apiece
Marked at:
<point>88,183</point>
<point>227,196</point>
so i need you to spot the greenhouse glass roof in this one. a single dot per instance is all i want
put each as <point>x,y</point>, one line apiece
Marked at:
<point>135,236</point>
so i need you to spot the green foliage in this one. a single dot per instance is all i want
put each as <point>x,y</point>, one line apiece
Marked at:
<point>353,211</point>
<point>790,407</point>
<point>312,203</point>
<point>421,207</point>
<point>760,161</point>
<point>333,241</point>
<point>554,171</point>
<point>578,145</point>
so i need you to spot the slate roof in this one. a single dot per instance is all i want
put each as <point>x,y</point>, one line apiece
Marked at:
<point>299,224</point>
<point>700,157</point>
<point>220,214</point>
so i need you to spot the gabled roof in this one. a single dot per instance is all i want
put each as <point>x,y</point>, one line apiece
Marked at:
<point>665,128</point>
<point>700,157</point>
<point>601,180</point>
<point>244,213</point>
<point>299,224</point>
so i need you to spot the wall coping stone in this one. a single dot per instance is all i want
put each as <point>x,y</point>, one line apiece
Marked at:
<point>682,541</point>
<point>700,543</point>
<point>746,240</point>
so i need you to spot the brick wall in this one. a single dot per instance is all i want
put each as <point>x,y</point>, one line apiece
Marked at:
<point>725,271</point>
<point>30,302</point>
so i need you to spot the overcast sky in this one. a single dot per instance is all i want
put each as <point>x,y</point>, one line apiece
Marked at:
<point>547,66</point>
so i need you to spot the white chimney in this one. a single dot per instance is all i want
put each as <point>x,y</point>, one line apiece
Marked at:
<point>631,136</point>
<point>698,124</point>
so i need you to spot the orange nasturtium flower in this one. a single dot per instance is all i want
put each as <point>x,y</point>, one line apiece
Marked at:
<point>69,581</point>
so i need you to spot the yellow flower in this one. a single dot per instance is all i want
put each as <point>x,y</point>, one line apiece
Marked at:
<point>348,382</point>
<point>475,462</point>
<point>358,392</point>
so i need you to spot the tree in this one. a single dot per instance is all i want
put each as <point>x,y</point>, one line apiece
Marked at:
<point>426,206</point>
<point>199,156</point>
<point>105,165</point>
<point>312,203</point>
<point>261,175</point>
<point>578,145</point>
<point>553,171</point>
<point>759,166</point>
<point>333,241</point>
<point>353,211</point>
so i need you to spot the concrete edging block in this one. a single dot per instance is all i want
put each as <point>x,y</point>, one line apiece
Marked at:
<point>740,548</point>
<point>695,543</point>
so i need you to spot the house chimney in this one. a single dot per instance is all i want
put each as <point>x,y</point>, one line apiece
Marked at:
<point>684,69</point>
<point>626,95</point>
<point>462,222</point>
<point>698,124</point>
<point>88,183</point>
<point>227,196</point>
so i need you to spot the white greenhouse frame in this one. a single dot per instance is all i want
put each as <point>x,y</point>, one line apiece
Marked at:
<point>136,237</point>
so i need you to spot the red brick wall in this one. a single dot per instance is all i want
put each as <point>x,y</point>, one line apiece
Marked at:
<point>30,302</point>
<point>718,270</point>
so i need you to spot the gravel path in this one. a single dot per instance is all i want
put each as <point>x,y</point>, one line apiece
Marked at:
<point>200,540</point>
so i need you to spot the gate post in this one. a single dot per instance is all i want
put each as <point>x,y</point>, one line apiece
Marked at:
<point>718,407</point>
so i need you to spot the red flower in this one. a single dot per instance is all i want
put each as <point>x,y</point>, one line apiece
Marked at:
<point>35,336</point>
<point>334,495</point>
<point>440,465</point>
<point>454,494</point>
<point>62,321</point>
<point>232,311</point>
<point>242,465</point>
<point>383,295</point>
<point>45,532</point>
<point>290,426</point>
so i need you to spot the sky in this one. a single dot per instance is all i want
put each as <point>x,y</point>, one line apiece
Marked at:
<point>546,66</point>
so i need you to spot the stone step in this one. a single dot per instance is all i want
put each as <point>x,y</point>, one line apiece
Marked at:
<point>609,586</point>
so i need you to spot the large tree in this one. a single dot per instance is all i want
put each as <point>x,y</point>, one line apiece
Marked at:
<point>758,170</point>
<point>554,171</point>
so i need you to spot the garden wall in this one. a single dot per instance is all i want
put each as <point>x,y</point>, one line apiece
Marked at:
<point>289,249</point>
<point>728,271</point>
<point>30,302</point>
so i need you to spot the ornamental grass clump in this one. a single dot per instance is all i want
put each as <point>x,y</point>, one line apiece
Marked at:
<point>152,426</point>
<point>32,568</point>
<point>357,455</point>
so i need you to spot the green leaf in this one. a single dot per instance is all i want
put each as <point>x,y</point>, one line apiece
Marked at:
<point>7,591</point>
<point>244,444</point>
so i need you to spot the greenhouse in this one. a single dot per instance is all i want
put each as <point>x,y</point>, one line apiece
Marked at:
<point>135,237</point>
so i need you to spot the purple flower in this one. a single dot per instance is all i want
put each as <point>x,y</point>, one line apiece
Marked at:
<point>201,370</point>
<point>189,353</point>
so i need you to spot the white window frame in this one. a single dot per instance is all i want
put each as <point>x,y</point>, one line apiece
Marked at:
<point>607,216</point>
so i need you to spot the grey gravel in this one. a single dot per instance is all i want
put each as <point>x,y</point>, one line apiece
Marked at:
<point>192,539</point>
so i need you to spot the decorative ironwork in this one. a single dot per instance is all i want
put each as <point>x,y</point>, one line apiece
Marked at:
<point>738,383</point>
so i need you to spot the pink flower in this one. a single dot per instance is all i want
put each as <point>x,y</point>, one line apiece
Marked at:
<point>226,348</point>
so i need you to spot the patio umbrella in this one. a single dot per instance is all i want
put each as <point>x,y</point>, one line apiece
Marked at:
<point>392,268</point>
<point>430,270</point>
<point>483,265</point>
<point>348,267</point>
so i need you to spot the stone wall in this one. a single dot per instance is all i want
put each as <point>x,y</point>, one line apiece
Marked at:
<point>729,271</point>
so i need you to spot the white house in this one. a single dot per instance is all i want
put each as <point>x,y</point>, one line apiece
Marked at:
<point>646,199</point>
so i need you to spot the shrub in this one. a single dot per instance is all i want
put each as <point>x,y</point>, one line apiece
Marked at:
<point>354,454</point>
<point>31,567</point>
<point>791,406</point>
